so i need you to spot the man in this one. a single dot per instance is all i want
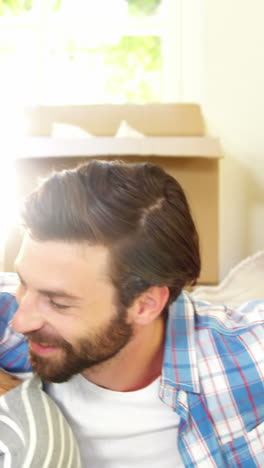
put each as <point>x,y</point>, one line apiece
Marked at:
<point>145,376</point>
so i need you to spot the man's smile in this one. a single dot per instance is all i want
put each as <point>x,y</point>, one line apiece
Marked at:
<point>42,348</point>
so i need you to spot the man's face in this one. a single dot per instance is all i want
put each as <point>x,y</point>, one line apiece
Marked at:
<point>67,307</point>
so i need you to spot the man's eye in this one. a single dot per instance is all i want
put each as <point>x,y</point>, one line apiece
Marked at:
<point>58,306</point>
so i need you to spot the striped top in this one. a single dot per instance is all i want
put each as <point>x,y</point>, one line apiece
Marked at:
<point>33,431</point>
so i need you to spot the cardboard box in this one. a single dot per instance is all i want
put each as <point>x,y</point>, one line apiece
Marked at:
<point>197,175</point>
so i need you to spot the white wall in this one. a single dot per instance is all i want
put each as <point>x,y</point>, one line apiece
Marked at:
<point>233,106</point>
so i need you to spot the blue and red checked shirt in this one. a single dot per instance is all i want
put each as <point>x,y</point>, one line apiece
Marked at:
<point>13,346</point>
<point>212,376</point>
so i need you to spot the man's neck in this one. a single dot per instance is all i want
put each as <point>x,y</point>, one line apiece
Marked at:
<point>136,365</point>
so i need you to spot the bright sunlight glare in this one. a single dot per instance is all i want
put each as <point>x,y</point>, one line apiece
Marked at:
<point>13,127</point>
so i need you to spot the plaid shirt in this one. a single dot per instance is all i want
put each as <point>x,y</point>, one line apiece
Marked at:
<point>213,377</point>
<point>13,347</point>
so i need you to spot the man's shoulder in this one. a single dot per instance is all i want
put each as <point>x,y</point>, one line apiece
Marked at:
<point>230,338</point>
<point>226,320</point>
<point>230,341</point>
<point>200,323</point>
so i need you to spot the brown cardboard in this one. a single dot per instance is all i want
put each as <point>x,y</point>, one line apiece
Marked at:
<point>104,119</point>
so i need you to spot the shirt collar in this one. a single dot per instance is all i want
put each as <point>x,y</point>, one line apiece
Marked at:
<point>180,369</point>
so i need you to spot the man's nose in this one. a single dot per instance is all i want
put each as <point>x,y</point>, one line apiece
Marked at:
<point>27,317</point>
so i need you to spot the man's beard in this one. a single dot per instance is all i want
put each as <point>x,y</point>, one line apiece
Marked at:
<point>87,352</point>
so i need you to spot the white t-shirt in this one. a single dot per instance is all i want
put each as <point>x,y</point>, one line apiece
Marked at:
<point>119,429</point>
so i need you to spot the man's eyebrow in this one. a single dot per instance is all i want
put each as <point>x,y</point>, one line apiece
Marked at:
<point>51,292</point>
<point>58,293</point>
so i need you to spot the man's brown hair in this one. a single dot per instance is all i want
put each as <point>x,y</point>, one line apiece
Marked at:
<point>138,211</point>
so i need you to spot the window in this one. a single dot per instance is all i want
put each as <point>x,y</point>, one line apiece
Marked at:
<point>87,51</point>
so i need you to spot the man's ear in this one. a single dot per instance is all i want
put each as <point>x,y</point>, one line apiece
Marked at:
<point>148,306</point>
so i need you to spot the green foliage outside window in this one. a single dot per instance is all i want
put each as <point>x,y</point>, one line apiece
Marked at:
<point>15,6</point>
<point>135,7</point>
<point>142,7</point>
<point>134,66</point>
